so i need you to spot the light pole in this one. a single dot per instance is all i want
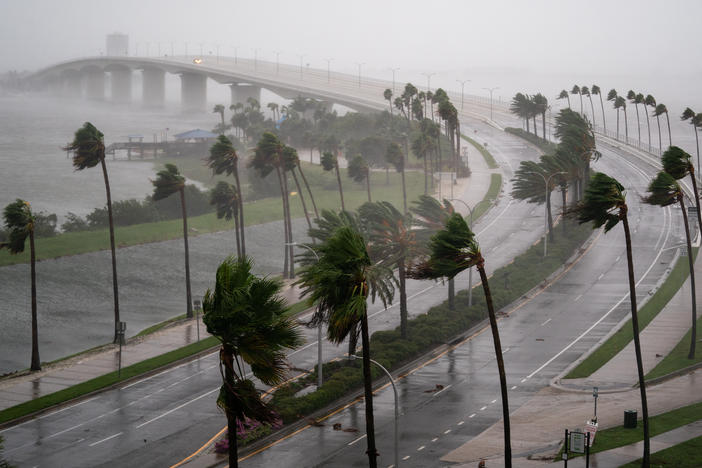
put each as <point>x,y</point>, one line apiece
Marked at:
<point>302,56</point>
<point>463,83</point>
<point>201,45</point>
<point>359,72</point>
<point>393,70</point>
<point>236,49</point>
<point>217,47</point>
<point>197,304</point>
<point>319,326</point>
<point>255,51</point>
<point>428,75</point>
<point>147,48</point>
<point>547,180</point>
<point>328,60</point>
<point>277,62</point>
<point>491,90</point>
<point>470,270</point>
<point>397,407</point>
<point>172,50</point>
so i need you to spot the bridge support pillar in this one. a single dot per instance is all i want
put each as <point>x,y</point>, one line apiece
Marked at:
<point>72,86</point>
<point>241,92</point>
<point>121,85</point>
<point>193,92</point>
<point>95,85</point>
<point>54,86</point>
<point>153,87</point>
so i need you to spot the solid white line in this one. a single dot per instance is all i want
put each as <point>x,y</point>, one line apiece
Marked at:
<point>408,298</point>
<point>47,415</point>
<point>545,322</point>
<point>167,371</point>
<point>177,408</point>
<point>356,440</point>
<point>105,439</point>
<point>496,218</point>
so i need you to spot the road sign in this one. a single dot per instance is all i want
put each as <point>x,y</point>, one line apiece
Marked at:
<point>577,442</point>
<point>591,427</point>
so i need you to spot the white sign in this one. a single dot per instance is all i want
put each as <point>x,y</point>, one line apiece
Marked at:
<point>592,429</point>
<point>577,442</point>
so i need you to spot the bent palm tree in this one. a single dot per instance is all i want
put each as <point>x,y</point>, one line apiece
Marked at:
<point>564,95</point>
<point>576,90</point>
<point>247,315</point>
<point>89,151</point>
<point>219,109</point>
<point>631,96</point>
<point>660,110</point>
<point>651,102</point>
<point>19,221</point>
<point>639,99</point>
<point>394,156</point>
<point>584,90</point>
<point>664,190</point>
<point>224,159</point>
<point>360,172</point>
<point>605,204</point>
<point>330,162</point>
<point>596,91</point>
<point>689,114</point>
<point>169,181</point>
<point>226,200</point>
<point>453,250</point>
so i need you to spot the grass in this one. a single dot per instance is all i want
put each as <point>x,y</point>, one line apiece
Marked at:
<point>542,144</point>
<point>619,436</point>
<point>489,159</point>
<point>685,455</point>
<point>105,381</point>
<point>677,359</point>
<point>625,334</point>
<point>490,196</point>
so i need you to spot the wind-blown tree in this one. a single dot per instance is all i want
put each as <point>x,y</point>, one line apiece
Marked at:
<point>528,184</point>
<point>564,95</point>
<point>620,103</point>
<point>612,96</point>
<point>387,94</point>
<point>564,169</point>
<point>421,147</point>
<point>88,151</point>
<point>631,96</point>
<point>330,162</point>
<point>541,106</point>
<point>576,137</point>
<point>19,222</point>
<point>660,110</point>
<point>596,91</point>
<point>585,91</point>
<point>576,90</point>
<point>453,250</point>
<point>360,172</point>
<point>169,181</point>
<point>664,190</point>
<point>605,204</point>
<point>219,109</point>
<point>291,162</point>
<point>639,99</point>
<point>393,242</point>
<point>224,159</point>
<point>340,284</point>
<point>248,316</point>
<point>395,156</point>
<point>274,110</point>
<point>521,108</point>
<point>650,101</point>
<point>225,198</point>
<point>695,121</point>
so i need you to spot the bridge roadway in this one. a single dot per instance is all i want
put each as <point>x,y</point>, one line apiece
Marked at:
<point>159,420</point>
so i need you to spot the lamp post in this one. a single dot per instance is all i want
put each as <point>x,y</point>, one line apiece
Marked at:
<point>201,45</point>
<point>360,64</point>
<point>428,75</point>
<point>236,49</point>
<point>197,304</point>
<point>393,70</point>
<point>491,90</point>
<point>470,270</point>
<point>547,180</point>
<point>328,60</point>
<point>147,48</point>
<point>463,83</point>
<point>302,56</point>
<point>217,47</point>
<point>397,408</point>
<point>319,326</point>
<point>277,62</point>
<point>255,51</point>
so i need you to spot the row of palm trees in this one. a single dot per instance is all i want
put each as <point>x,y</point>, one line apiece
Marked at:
<point>529,107</point>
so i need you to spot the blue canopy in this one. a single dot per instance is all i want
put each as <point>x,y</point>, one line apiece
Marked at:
<point>195,134</point>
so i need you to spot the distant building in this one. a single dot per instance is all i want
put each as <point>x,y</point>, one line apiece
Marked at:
<point>117,45</point>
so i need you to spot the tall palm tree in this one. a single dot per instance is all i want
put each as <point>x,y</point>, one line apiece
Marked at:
<point>307,185</point>
<point>421,147</point>
<point>541,106</point>
<point>274,109</point>
<point>19,221</point>
<point>605,204</point>
<point>612,96</point>
<point>631,96</point>
<point>360,172</point>
<point>224,159</point>
<point>520,107</point>
<point>248,316</point>
<point>660,110</point>
<point>564,95</point>
<point>88,151</point>
<point>651,102</point>
<point>664,190</point>
<point>395,156</point>
<point>620,103</point>
<point>226,200</point>
<point>340,283</point>
<point>169,181</point>
<point>689,114</point>
<point>330,162</point>
<point>596,91</point>
<point>387,94</point>
<point>576,90</point>
<point>528,184</point>
<point>219,109</point>
<point>585,91</point>
<point>641,100</point>
<point>454,249</point>
<point>292,162</point>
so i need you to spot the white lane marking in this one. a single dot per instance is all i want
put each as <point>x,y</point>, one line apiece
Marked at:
<point>406,457</point>
<point>434,439</point>
<point>420,448</point>
<point>483,408</point>
<point>493,401</point>
<point>523,380</point>
<point>408,298</point>
<point>577,298</point>
<point>47,415</point>
<point>600,277</point>
<point>167,370</point>
<point>445,388</point>
<point>496,218</point>
<point>177,408</point>
<point>504,351</point>
<point>447,431</point>
<point>460,423</point>
<point>471,416</point>
<point>545,322</point>
<point>356,440</point>
<point>105,439</point>
<point>618,258</point>
<point>513,387</point>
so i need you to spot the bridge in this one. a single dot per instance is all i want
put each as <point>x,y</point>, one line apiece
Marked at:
<point>111,79</point>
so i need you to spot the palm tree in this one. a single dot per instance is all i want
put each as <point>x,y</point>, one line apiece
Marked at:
<point>453,250</point>
<point>394,156</point>
<point>641,100</point>
<point>340,283</point>
<point>274,109</point>
<point>664,190</point>
<point>564,95</point>
<point>19,221</point>
<point>612,96</point>
<point>576,90</point>
<point>651,101</point>
<point>541,106</point>
<point>224,159</point>
<point>247,315</point>
<point>585,91</point>
<point>528,184</point>
<point>689,114</point>
<point>291,162</point>
<point>660,110</point>
<point>596,91</point>
<point>520,107</point>
<point>330,162</point>
<point>421,146</point>
<point>219,109</point>
<point>225,198</point>
<point>605,204</point>
<point>620,102</point>
<point>88,151</point>
<point>631,96</point>
<point>387,94</point>
<point>169,181</point>
<point>360,172</point>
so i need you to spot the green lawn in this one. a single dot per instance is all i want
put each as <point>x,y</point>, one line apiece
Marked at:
<point>625,334</point>
<point>685,455</point>
<point>489,159</point>
<point>677,359</point>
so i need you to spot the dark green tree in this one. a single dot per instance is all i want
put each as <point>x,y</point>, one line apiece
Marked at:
<point>360,172</point>
<point>650,101</point>
<point>564,95</point>
<point>395,156</point>
<point>224,159</point>
<point>226,200</point>
<point>330,162</point>
<point>660,110</point>
<point>596,91</point>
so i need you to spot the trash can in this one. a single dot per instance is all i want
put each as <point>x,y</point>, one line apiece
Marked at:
<point>630,419</point>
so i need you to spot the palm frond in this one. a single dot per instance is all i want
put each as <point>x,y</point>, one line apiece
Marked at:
<point>87,146</point>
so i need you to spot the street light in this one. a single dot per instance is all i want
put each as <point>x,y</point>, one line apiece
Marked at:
<point>470,270</point>
<point>277,61</point>
<point>463,83</point>
<point>302,56</point>
<point>328,60</point>
<point>319,326</point>
<point>359,72</point>
<point>547,180</point>
<point>397,408</point>
<point>235,53</point>
<point>255,51</point>
<point>197,304</point>
<point>393,70</point>
<point>491,90</point>
<point>428,75</point>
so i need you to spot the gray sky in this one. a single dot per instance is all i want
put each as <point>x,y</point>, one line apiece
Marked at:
<point>636,38</point>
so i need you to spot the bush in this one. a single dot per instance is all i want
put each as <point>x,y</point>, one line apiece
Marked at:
<point>74,223</point>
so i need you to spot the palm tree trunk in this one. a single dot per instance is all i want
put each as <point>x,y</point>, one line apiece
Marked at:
<point>368,391</point>
<point>626,127</point>
<point>288,221</point>
<point>638,123</point>
<point>568,97</point>
<point>617,124</point>
<point>115,291</point>
<point>368,186</point>
<point>670,136</point>
<point>426,179</point>
<point>637,344</point>
<point>241,210</point>
<point>403,297</point>
<point>592,108</point>
<point>527,124</point>
<point>338,181</point>
<point>534,119</point>
<point>648,126</point>
<point>236,235</point>
<point>188,293</point>
<point>304,180</point>
<point>581,104</point>
<point>691,261</point>
<point>227,358</point>
<point>697,145</point>
<point>404,190</point>
<point>302,198</point>
<point>286,258</point>
<point>604,122</point>
<point>500,362</point>
<point>543,124</point>
<point>660,145</point>
<point>451,294</point>
<point>36,362</point>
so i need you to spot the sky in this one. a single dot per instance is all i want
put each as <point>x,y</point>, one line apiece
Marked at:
<point>643,40</point>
